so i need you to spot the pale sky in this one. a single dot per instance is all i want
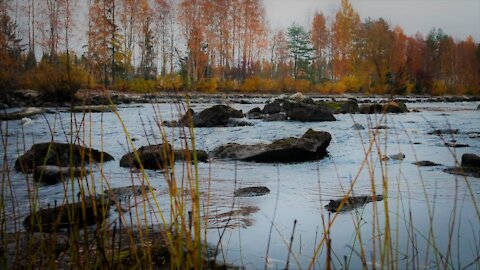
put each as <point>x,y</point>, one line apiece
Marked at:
<point>458,18</point>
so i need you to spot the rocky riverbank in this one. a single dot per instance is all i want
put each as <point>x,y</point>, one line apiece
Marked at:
<point>33,98</point>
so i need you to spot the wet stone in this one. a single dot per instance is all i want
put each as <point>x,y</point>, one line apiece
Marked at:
<point>251,191</point>
<point>58,154</point>
<point>443,132</point>
<point>357,126</point>
<point>350,203</point>
<point>426,163</point>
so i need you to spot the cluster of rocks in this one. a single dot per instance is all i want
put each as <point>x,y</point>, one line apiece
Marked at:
<point>301,108</point>
<point>53,162</point>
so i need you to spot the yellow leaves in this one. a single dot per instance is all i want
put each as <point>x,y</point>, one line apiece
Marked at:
<point>207,85</point>
<point>141,85</point>
<point>170,82</point>
<point>439,88</point>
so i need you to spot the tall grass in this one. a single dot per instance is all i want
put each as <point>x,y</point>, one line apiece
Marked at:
<point>142,232</point>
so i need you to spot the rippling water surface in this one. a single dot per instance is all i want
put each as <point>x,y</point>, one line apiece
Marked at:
<point>298,191</point>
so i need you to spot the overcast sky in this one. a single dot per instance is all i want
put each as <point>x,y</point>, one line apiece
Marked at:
<point>458,18</point>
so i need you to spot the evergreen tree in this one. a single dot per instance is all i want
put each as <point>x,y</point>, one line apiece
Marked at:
<point>300,48</point>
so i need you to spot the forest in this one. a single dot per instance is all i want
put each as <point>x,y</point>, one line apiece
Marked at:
<point>61,46</point>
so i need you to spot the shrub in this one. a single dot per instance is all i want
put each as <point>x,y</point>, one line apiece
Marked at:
<point>351,83</point>
<point>207,85</point>
<point>302,85</point>
<point>141,85</point>
<point>227,85</point>
<point>250,84</point>
<point>54,79</point>
<point>170,82</point>
<point>439,88</point>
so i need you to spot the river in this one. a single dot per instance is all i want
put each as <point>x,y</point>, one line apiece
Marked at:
<point>426,213</point>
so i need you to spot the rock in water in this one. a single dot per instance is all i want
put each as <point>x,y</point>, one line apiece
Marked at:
<point>470,166</point>
<point>303,111</point>
<point>470,160</point>
<point>27,112</point>
<point>66,216</point>
<point>50,174</point>
<point>251,191</point>
<point>158,156</point>
<point>216,116</point>
<point>426,163</point>
<point>443,132</point>
<point>358,126</point>
<point>311,146</point>
<point>389,107</point>
<point>399,156</point>
<point>350,203</point>
<point>456,145</point>
<point>58,154</point>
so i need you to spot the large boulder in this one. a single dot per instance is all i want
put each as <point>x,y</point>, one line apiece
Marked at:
<point>299,110</point>
<point>311,146</point>
<point>216,116</point>
<point>80,214</point>
<point>58,154</point>
<point>158,156</point>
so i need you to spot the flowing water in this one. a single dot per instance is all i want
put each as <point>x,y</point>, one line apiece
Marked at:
<point>298,191</point>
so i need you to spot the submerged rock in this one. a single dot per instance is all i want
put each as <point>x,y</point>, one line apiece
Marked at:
<point>456,145</point>
<point>251,191</point>
<point>464,171</point>
<point>358,126</point>
<point>399,156</point>
<point>120,193</point>
<point>311,146</point>
<point>350,203</point>
<point>426,163</point>
<point>58,154</point>
<point>27,112</point>
<point>158,156</point>
<point>92,109</point>
<point>443,132</point>
<point>49,174</point>
<point>66,216</point>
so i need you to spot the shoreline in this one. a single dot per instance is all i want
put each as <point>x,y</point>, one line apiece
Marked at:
<point>34,98</point>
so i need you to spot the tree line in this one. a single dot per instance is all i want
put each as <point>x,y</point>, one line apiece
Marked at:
<point>60,46</point>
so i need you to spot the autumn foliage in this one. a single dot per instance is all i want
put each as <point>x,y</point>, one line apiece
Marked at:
<point>210,46</point>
